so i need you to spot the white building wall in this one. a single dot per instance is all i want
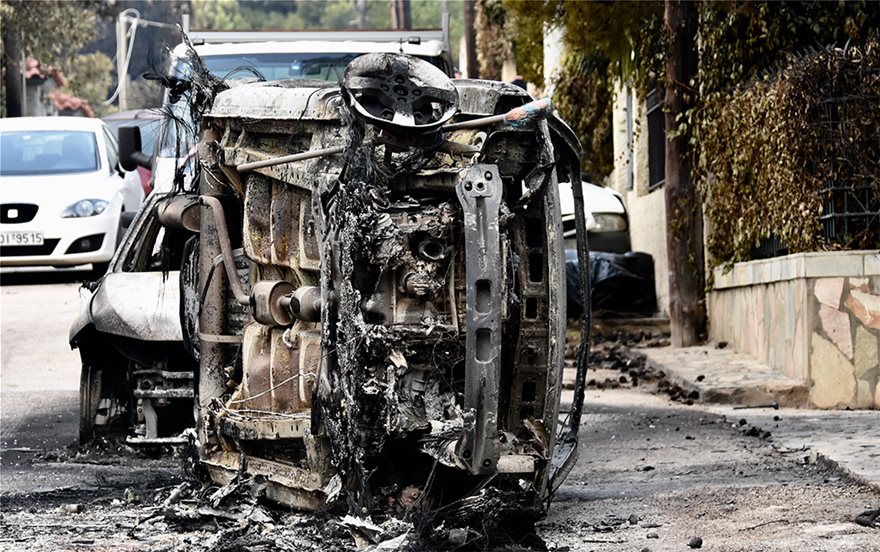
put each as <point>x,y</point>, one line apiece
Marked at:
<point>647,210</point>
<point>552,57</point>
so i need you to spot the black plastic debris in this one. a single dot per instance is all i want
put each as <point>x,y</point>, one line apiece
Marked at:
<point>621,283</point>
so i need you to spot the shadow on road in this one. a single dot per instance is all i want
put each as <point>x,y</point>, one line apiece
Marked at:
<point>54,427</point>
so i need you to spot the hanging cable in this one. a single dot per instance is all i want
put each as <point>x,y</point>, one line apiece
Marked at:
<point>135,17</point>
<point>123,73</point>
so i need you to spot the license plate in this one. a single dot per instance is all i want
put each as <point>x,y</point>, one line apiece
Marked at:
<point>21,238</point>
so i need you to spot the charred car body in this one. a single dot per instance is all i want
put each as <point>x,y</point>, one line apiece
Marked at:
<point>371,294</point>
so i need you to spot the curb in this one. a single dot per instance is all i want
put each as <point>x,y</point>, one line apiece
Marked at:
<point>747,391</point>
<point>822,459</point>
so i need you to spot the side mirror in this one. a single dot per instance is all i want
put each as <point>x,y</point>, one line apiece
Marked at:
<point>130,155</point>
<point>127,218</point>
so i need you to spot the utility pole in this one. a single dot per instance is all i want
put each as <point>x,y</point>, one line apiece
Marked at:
<point>470,40</point>
<point>684,244</point>
<point>121,65</point>
<point>12,51</point>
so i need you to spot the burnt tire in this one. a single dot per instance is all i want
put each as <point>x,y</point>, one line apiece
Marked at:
<point>89,398</point>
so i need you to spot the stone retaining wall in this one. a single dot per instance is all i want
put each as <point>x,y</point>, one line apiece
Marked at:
<point>812,316</point>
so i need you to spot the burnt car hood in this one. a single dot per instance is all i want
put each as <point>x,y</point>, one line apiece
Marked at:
<point>139,305</point>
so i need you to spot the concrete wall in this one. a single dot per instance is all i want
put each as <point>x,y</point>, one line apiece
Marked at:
<point>813,316</point>
<point>647,209</point>
<point>37,101</point>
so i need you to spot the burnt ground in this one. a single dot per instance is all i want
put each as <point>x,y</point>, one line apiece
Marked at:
<point>654,474</point>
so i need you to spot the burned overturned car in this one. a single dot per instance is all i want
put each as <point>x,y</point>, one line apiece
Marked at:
<point>360,295</point>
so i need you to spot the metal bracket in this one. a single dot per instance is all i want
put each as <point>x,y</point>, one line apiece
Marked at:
<point>479,192</point>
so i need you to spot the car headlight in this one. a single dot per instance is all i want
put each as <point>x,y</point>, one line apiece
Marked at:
<point>605,222</point>
<point>85,208</point>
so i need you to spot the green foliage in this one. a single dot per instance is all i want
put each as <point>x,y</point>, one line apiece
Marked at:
<point>51,30</point>
<point>219,15</point>
<point>503,33</point>
<point>602,41</point>
<point>280,16</point>
<point>426,15</point>
<point>144,94</point>
<point>628,33</point>
<point>89,76</point>
<point>530,17</point>
<point>494,32</point>
<point>738,41</point>
<point>528,48</point>
<point>778,145</point>
<point>584,81</point>
<point>54,32</point>
<point>741,39</point>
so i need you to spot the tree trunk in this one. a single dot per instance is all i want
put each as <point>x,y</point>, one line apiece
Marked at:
<point>406,14</point>
<point>470,40</point>
<point>12,53</point>
<point>361,8</point>
<point>683,212</point>
<point>401,15</point>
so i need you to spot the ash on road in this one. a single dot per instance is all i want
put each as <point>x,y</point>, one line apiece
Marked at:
<point>653,474</point>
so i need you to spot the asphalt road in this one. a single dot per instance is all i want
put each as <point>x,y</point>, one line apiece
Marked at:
<point>39,376</point>
<point>39,373</point>
<point>653,474</point>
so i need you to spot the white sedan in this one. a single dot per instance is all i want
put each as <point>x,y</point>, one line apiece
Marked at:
<point>62,192</point>
<point>605,214</point>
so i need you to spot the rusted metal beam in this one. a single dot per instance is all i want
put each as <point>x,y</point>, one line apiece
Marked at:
<point>212,283</point>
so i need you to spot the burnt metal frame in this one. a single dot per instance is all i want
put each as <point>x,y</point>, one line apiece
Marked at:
<point>479,192</point>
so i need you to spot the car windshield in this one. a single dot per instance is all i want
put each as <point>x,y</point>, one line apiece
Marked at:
<point>47,152</point>
<point>317,66</point>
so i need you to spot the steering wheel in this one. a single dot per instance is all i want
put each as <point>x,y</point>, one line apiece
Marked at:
<point>396,91</point>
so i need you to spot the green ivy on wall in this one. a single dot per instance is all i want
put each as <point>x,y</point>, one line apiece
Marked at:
<point>751,136</point>
<point>603,43</point>
<point>785,148</point>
